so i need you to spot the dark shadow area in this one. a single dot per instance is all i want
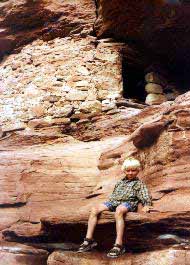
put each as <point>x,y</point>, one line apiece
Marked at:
<point>139,237</point>
<point>133,81</point>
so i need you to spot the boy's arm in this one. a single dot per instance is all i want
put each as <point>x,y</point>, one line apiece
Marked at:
<point>144,195</point>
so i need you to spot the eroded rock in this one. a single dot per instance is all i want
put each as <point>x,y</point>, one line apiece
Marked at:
<point>14,253</point>
<point>166,257</point>
<point>26,21</point>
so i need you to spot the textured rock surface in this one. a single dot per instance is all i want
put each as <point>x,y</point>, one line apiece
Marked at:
<point>53,79</point>
<point>23,21</point>
<point>166,257</point>
<point>161,26</point>
<point>65,130</point>
<point>41,164</point>
<point>145,20</point>
<point>17,254</point>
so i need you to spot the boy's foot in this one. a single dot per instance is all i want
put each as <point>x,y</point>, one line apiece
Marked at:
<point>116,251</point>
<point>87,245</point>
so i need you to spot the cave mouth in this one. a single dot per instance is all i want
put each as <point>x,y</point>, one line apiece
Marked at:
<point>133,82</point>
<point>174,71</point>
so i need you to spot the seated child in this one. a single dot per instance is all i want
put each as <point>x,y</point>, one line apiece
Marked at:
<point>128,192</point>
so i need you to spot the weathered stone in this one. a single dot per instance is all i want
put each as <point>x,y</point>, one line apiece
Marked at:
<point>102,94</point>
<point>32,91</point>
<point>38,111</point>
<point>14,253</point>
<point>60,121</point>
<point>155,78</point>
<point>76,95</point>
<point>147,134</point>
<point>2,86</point>
<point>184,99</point>
<point>1,132</point>
<point>41,18</point>
<point>36,90</point>
<point>155,99</point>
<point>65,111</point>
<point>82,84</point>
<point>106,57</point>
<point>154,88</point>
<point>38,123</point>
<point>91,106</point>
<point>18,126</point>
<point>108,104</point>
<point>83,70</point>
<point>52,98</point>
<point>171,96</point>
<point>166,257</point>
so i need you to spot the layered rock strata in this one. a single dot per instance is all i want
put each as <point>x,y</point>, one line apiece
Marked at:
<point>24,21</point>
<point>32,166</point>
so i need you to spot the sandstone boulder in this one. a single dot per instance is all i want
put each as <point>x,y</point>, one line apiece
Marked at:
<point>14,253</point>
<point>147,134</point>
<point>166,257</point>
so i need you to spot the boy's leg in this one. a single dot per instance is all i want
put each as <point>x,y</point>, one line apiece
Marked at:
<point>93,218</point>
<point>89,243</point>
<point>120,223</point>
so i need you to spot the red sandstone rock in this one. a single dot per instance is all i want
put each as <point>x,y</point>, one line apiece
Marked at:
<point>51,177</point>
<point>17,254</point>
<point>47,19</point>
<point>147,134</point>
<point>183,99</point>
<point>166,257</point>
<point>152,22</point>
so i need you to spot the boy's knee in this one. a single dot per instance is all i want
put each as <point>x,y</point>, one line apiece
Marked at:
<point>119,211</point>
<point>95,211</point>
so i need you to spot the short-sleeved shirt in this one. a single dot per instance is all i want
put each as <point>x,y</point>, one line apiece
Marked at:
<point>132,191</point>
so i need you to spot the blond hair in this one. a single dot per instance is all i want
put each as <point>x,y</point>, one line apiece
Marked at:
<point>131,162</point>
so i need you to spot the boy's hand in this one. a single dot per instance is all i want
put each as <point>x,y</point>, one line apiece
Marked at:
<point>146,209</point>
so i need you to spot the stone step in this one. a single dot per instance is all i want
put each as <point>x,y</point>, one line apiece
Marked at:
<point>12,253</point>
<point>168,256</point>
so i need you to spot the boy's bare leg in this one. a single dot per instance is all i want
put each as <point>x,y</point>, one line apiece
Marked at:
<point>120,223</point>
<point>93,218</point>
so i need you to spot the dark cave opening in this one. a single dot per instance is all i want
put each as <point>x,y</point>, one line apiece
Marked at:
<point>173,69</point>
<point>133,81</point>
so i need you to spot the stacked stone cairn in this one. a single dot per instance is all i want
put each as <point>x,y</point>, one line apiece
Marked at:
<point>154,88</point>
<point>158,89</point>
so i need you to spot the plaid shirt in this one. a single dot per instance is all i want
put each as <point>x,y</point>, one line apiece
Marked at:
<point>132,191</point>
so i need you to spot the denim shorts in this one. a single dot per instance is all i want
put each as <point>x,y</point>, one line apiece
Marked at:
<point>112,207</point>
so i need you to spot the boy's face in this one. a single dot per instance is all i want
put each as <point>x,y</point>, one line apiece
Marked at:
<point>131,173</point>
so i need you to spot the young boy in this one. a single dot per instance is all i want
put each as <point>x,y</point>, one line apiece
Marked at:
<point>128,192</point>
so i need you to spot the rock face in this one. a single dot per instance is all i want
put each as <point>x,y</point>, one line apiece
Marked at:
<point>147,21</point>
<point>167,257</point>
<point>161,26</point>
<point>65,130</point>
<point>40,165</point>
<point>57,78</point>
<point>27,20</point>
<point>14,253</point>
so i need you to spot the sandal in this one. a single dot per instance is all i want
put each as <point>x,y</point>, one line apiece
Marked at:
<point>87,245</point>
<point>116,251</point>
